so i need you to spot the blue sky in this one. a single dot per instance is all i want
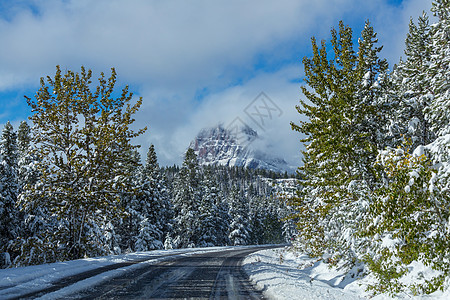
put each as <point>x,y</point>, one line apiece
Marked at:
<point>195,63</point>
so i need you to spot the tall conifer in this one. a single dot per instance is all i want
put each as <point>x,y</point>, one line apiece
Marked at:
<point>342,135</point>
<point>9,217</point>
<point>81,136</point>
<point>187,198</point>
<point>156,221</point>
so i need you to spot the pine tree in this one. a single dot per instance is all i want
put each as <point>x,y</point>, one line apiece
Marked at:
<point>81,139</point>
<point>257,215</point>
<point>370,108</point>
<point>321,172</point>
<point>9,217</point>
<point>273,223</point>
<point>124,232</point>
<point>162,193</point>
<point>438,72</point>
<point>414,92</point>
<point>27,172</point>
<point>212,224</point>
<point>155,223</point>
<point>370,128</point>
<point>34,219</point>
<point>222,221</point>
<point>239,209</point>
<point>187,198</point>
<point>345,129</point>
<point>23,138</point>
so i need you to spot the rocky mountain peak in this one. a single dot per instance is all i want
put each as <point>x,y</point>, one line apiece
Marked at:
<point>222,146</point>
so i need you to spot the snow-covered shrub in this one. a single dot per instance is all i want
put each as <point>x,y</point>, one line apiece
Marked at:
<point>5,260</point>
<point>408,223</point>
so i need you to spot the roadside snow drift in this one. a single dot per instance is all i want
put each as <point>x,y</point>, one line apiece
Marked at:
<point>283,274</point>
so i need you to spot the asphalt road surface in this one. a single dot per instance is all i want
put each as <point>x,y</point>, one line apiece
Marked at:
<point>211,275</point>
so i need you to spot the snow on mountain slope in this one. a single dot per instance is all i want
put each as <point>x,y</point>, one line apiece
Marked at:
<point>239,147</point>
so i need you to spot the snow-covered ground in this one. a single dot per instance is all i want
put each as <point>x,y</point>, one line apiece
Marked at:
<point>16,282</point>
<point>284,274</point>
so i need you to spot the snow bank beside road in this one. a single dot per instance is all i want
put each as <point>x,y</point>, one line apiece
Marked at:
<point>284,274</point>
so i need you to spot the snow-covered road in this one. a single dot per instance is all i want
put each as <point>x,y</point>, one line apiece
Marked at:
<point>201,272</point>
<point>211,275</point>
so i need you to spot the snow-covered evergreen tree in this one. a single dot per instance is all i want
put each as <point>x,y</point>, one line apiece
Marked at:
<point>239,209</point>
<point>9,151</point>
<point>123,232</point>
<point>370,110</point>
<point>156,210</point>
<point>36,223</point>
<point>212,222</point>
<point>9,217</point>
<point>27,173</point>
<point>186,200</point>
<point>413,87</point>
<point>346,127</point>
<point>257,217</point>
<point>23,138</point>
<point>369,129</point>
<point>222,221</point>
<point>82,165</point>
<point>438,72</point>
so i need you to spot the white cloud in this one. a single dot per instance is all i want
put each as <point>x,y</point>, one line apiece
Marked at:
<point>170,43</point>
<point>169,50</point>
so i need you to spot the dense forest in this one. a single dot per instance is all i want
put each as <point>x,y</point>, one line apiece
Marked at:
<point>73,185</point>
<point>375,171</point>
